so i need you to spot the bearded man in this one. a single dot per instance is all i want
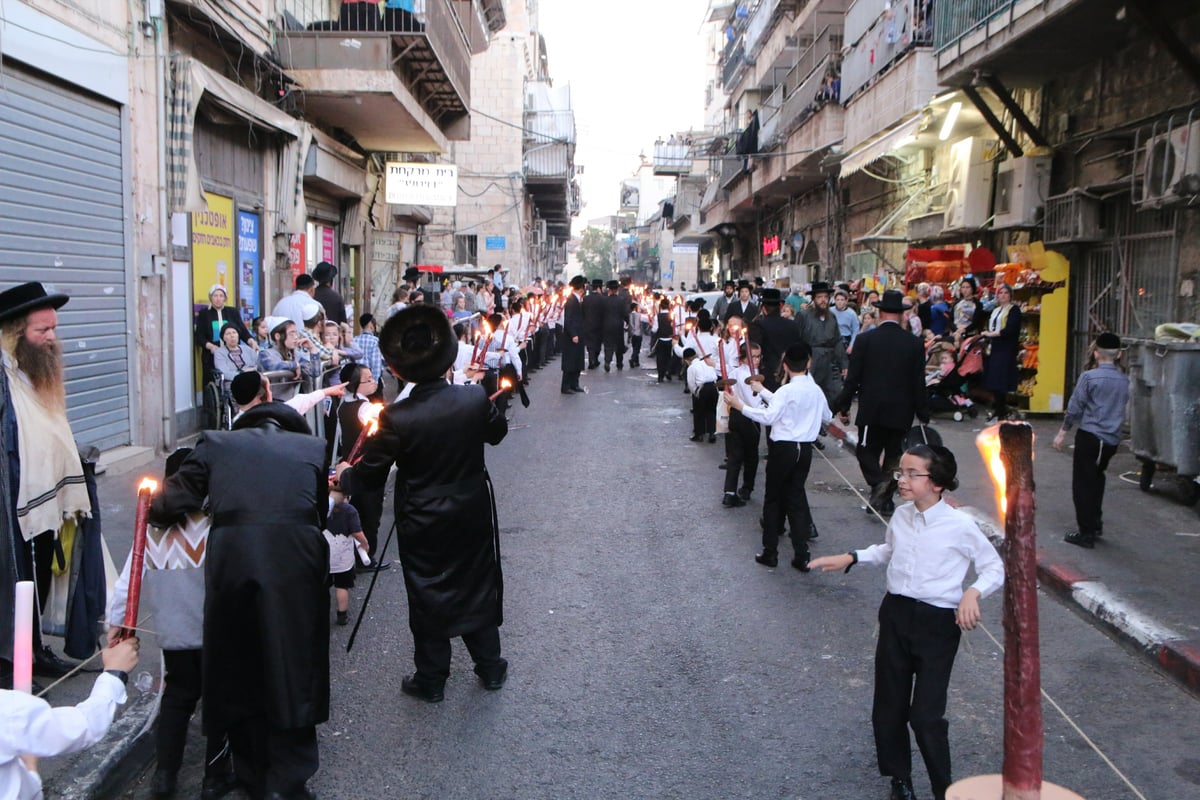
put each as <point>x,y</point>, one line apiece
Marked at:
<point>43,487</point>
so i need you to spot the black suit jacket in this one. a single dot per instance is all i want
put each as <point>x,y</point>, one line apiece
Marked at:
<point>774,334</point>
<point>735,310</point>
<point>887,372</point>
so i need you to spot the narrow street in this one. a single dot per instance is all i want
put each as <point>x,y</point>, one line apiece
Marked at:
<point>652,658</point>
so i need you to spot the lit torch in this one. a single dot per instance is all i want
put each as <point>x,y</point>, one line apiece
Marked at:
<point>370,426</point>
<point>505,386</point>
<point>146,490</point>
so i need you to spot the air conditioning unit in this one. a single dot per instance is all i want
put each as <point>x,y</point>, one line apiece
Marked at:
<point>1073,217</point>
<point>1170,167</point>
<point>539,232</point>
<point>1021,188</point>
<point>969,192</point>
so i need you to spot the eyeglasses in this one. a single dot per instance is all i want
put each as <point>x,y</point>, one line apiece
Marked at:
<point>897,475</point>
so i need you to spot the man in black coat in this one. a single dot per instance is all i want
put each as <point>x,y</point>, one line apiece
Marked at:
<point>774,335</point>
<point>266,607</point>
<point>616,317</point>
<point>326,295</point>
<point>447,532</point>
<point>593,322</point>
<point>572,337</point>
<point>887,373</point>
<point>744,306</point>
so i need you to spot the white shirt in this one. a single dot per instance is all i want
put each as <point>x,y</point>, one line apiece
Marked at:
<point>927,554</point>
<point>795,412</point>
<point>29,726</point>
<point>292,305</point>
<point>742,389</point>
<point>698,374</point>
<point>705,345</point>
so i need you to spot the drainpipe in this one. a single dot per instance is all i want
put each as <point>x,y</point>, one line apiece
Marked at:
<point>164,224</point>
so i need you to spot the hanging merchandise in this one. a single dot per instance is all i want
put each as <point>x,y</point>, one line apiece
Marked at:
<point>1038,278</point>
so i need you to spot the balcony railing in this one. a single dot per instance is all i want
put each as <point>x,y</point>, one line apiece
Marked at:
<point>734,61</point>
<point>887,36</point>
<point>957,18</point>
<point>812,82</point>
<point>437,23</point>
<point>672,159</point>
<point>550,144</point>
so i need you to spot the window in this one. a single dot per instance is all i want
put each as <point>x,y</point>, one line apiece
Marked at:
<point>466,249</point>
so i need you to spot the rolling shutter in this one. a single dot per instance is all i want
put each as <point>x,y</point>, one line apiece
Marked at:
<point>61,222</point>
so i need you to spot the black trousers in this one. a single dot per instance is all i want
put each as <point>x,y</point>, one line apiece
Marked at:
<point>787,470</point>
<point>877,441</point>
<point>592,342</point>
<point>741,452</point>
<point>369,504</point>
<point>662,358</point>
<point>432,655</point>
<point>635,350</point>
<point>614,345</point>
<point>273,759</point>
<point>182,688</point>
<point>913,660</point>
<point>1087,480</point>
<point>704,410</point>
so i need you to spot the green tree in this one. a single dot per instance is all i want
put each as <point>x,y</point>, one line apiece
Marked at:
<point>596,253</point>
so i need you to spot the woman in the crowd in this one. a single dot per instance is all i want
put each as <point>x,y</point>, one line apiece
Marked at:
<point>1000,370</point>
<point>234,355</point>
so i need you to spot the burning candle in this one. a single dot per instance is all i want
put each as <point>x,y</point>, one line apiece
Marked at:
<point>137,558</point>
<point>370,425</point>
<point>23,637</point>
<point>721,358</point>
<point>483,340</point>
<point>505,385</point>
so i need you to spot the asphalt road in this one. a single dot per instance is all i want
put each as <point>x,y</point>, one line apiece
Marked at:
<point>650,657</point>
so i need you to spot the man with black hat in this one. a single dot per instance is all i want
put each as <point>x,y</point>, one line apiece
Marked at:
<point>448,536</point>
<point>266,609</point>
<point>819,328</point>
<point>326,295</point>
<point>593,305</point>
<point>722,304</point>
<point>1097,406</point>
<point>38,459</point>
<point>743,307</point>
<point>616,317</point>
<point>887,373</point>
<point>774,335</point>
<point>572,337</point>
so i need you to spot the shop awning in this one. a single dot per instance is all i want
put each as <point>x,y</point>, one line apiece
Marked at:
<point>880,146</point>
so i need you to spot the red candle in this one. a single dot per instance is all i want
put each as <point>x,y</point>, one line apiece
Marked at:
<point>505,385</point>
<point>368,430</point>
<point>721,358</point>
<point>146,490</point>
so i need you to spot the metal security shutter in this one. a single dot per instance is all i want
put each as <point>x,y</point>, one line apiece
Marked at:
<point>61,223</point>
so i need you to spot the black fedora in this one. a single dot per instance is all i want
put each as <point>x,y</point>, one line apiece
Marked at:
<point>820,287</point>
<point>892,302</point>
<point>418,343</point>
<point>20,300</point>
<point>324,272</point>
<point>771,297</point>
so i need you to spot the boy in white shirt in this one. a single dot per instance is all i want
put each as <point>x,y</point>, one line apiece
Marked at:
<point>795,413</point>
<point>702,383</point>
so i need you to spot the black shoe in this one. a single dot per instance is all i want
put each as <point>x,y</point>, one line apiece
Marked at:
<point>412,688</point>
<point>608,367</point>
<point>712,437</point>
<point>902,790</point>
<point>48,665</point>
<point>819,444</point>
<point>163,784</point>
<point>801,562</point>
<point>812,530</point>
<point>1080,539</point>
<point>723,465</point>
<point>695,437</point>
<point>567,391</point>
<point>302,794</point>
<point>578,389</point>
<point>215,787</point>
<point>767,559</point>
<point>732,501</point>
<point>745,493</point>
<point>620,367</point>
<point>493,678</point>
<point>343,617</point>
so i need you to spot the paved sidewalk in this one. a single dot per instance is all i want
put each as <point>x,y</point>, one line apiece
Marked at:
<point>1140,584</point>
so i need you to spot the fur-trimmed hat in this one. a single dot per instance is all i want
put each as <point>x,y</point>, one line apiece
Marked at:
<point>418,343</point>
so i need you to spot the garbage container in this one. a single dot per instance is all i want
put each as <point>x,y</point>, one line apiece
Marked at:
<point>1164,408</point>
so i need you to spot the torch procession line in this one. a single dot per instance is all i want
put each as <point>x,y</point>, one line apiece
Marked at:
<point>1000,647</point>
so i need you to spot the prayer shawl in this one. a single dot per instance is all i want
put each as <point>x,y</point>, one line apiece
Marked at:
<point>52,484</point>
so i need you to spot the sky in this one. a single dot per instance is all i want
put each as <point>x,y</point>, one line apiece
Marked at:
<point>637,72</point>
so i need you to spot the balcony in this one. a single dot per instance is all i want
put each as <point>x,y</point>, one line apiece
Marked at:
<point>1029,41</point>
<point>395,83</point>
<point>672,159</point>
<point>813,82</point>
<point>733,64</point>
<point>878,37</point>
<point>549,155</point>
<point>897,94</point>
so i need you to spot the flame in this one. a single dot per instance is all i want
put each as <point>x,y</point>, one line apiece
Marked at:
<point>149,484</point>
<point>373,411</point>
<point>506,384</point>
<point>484,328</point>
<point>372,426</point>
<point>988,442</point>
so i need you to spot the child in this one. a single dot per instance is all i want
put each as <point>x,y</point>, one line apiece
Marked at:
<point>1097,406</point>
<point>701,382</point>
<point>945,387</point>
<point>173,599</point>
<point>795,412</point>
<point>343,531</point>
<point>30,729</point>
<point>927,550</point>
<point>741,443</point>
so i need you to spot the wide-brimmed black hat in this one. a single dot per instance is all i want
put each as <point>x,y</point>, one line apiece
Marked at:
<point>744,284</point>
<point>597,283</point>
<point>418,343</point>
<point>20,300</point>
<point>412,274</point>
<point>613,285</point>
<point>324,272</point>
<point>578,282</point>
<point>770,297</point>
<point>892,302</point>
<point>820,287</point>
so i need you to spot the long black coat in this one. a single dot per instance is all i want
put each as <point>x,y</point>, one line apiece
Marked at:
<point>445,512</point>
<point>266,608</point>
<point>616,315</point>
<point>1000,371</point>
<point>572,352</point>
<point>774,335</point>
<point>887,372</point>
<point>593,305</point>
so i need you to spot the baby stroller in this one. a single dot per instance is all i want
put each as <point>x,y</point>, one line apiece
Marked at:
<point>949,374</point>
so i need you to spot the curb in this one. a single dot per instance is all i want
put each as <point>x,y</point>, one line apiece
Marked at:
<point>1176,655</point>
<point>102,770</point>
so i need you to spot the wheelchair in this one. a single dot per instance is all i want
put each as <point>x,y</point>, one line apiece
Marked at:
<point>219,408</point>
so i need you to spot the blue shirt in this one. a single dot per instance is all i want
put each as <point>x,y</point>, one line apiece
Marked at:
<point>1098,403</point>
<point>847,322</point>
<point>368,343</point>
